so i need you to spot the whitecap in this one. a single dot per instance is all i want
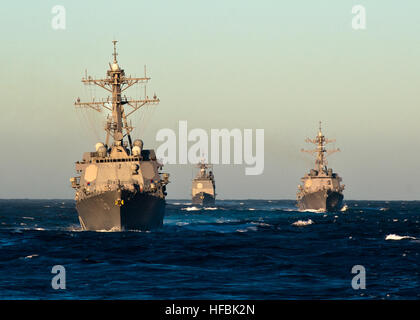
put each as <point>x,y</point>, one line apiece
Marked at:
<point>31,256</point>
<point>393,236</point>
<point>191,209</point>
<point>113,229</point>
<point>313,210</point>
<point>262,224</point>
<point>74,228</point>
<point>210,208</point>
<point>222,220</point>
<point>301,223</point>
<point>343,209</point>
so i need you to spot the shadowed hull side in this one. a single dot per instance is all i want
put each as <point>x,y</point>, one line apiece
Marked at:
<point>203,199</point>
<point>321,200</point>
<point>139,211</point>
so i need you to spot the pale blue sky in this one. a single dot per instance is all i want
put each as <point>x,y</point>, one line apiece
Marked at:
<point>277,65</point>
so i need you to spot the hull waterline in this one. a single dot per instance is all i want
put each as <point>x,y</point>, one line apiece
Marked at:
<point>321,200</point>
<point>203,199</point>
<point>121,210</point>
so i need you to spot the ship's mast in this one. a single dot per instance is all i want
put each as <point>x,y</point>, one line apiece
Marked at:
<point>321,152</point>
<point>115,74</point>
<point>203,168</point>
<point>117,82</point>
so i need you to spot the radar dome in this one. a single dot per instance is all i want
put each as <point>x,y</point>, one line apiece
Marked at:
<point>98,145</point>
<point>136,151</point>
<point>115,67</point>
<point>138,143</point>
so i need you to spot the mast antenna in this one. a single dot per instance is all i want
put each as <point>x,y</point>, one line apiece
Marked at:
<point>321,152</point>
<point>116,82</point>
<point>115,50</point>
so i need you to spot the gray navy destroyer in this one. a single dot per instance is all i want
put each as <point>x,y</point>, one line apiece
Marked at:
<point>321,188</point>
<point>119,186</point>
<point>204,186</point>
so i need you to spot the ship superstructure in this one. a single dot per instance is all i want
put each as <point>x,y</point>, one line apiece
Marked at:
<point>204,186</point>
<point>321,188</point>
<point>120,186</point>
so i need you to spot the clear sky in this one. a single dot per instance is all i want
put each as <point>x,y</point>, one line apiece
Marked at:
<point>277,65</point>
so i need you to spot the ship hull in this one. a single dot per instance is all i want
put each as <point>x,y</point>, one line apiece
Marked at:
<point>321,200</point>
<point>203,199</point>
<point>121,210</point>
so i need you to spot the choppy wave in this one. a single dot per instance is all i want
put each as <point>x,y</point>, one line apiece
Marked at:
<point>253,228</point>
<point>191,209</point>
<point>302,223</point>
<point>31,256</point>
<point>31,228</point>
<point>313,211</point>
<point>269,252</point>
<point>223,220</point>
<point>261,224</point>
<point>397,237</point>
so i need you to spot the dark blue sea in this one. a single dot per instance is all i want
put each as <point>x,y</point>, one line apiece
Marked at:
<point>249,249</point>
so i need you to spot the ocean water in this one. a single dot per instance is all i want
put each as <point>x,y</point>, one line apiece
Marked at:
<point>249,249</point>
